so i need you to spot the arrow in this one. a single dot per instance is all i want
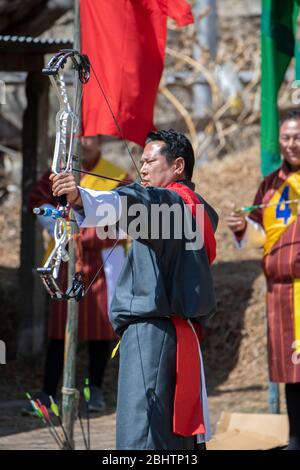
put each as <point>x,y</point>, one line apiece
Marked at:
<point>36,408</point>
<point>261,206</point>
<point>43,409</point>
<point>55,411</point>
<point>82,430</point>
<point>87,398</point>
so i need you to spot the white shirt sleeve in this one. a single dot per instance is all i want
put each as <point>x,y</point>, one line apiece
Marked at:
<point>254,236</point>
<point>100,208</point>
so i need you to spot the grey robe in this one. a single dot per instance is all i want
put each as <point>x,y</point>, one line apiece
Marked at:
<point>159,278</point>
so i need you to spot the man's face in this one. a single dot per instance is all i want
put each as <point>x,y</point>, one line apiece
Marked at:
<point>90,147</point>
<point>156,170</point>
<point>289,141</point>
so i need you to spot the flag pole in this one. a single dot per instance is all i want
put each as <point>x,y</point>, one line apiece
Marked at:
<point>70,394</point>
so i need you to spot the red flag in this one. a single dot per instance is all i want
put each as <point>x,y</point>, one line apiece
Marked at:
<point>180,11</point>
<point>125,41</point>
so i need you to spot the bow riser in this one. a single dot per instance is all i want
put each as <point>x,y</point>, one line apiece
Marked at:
<point>67,121</point>
<point>66,125</point>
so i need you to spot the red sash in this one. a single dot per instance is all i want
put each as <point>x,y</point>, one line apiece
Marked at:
<point>190,198</point>
<point>188,419</point>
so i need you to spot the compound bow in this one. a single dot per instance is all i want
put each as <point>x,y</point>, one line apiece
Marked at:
<point>67,121</point>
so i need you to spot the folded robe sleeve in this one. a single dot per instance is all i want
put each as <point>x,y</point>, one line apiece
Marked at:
<point>252,237</point>
<point>100,208</point>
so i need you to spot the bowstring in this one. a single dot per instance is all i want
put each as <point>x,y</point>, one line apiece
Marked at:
<point>101,267</point>
<point>102,176</point>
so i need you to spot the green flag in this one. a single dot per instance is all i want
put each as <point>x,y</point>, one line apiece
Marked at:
<point>278,47</point>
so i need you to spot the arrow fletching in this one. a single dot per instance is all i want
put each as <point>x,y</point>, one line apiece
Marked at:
<point>37,409</point>
<point>87,391</point>
<point>54,407</point>
<point>45,412</point>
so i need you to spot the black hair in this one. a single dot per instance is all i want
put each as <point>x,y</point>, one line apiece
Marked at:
<point>290,115</point>
<point>176,145</point>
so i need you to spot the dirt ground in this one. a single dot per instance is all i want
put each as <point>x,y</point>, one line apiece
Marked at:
<point>234,341</point>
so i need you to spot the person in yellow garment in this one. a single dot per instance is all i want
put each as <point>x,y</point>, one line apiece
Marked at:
<point>276,228</point>
<point>93,323</point>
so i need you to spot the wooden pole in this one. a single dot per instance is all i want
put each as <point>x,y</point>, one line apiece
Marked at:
<point>70,394</point>
<point>206,24</point>
<point>274,398</point>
